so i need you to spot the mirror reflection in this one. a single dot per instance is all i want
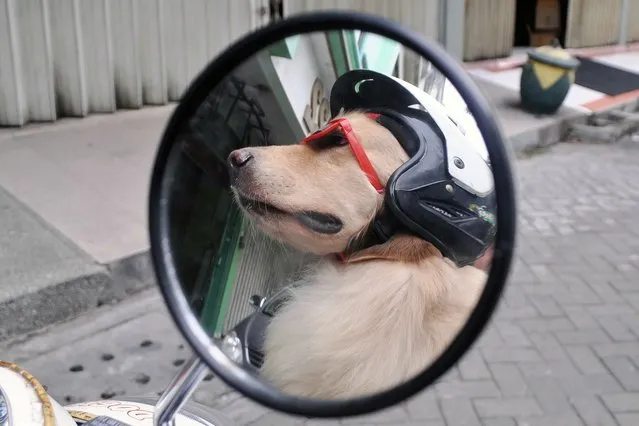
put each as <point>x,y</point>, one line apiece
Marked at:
<point>332,214</point>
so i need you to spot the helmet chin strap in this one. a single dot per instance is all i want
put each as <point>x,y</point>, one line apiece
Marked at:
<point>384,226</point>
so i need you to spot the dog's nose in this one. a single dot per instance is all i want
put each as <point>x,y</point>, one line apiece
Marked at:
<point>239,158</point>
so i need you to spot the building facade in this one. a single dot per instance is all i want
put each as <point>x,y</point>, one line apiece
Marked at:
<point>492,28</point>
<point>76,57</point>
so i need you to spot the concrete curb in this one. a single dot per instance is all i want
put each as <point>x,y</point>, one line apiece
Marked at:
<point>63,301</point>
<point>526,143</point>
<point>609,125</point>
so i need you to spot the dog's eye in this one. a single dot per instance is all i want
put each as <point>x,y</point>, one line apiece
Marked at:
<point>329,141</point>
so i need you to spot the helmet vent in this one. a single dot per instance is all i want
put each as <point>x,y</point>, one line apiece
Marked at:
<point>446,210</point>
<point>359,83</point>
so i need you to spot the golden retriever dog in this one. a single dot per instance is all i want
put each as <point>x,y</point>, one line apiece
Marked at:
<point>374,319</point>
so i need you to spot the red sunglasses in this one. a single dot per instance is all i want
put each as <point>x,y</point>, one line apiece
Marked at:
<point>343,126</point>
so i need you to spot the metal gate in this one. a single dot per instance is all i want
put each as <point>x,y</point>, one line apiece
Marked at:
<point>77,57</point>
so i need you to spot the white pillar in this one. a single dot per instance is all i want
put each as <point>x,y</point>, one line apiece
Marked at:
<point>126,53</point>
<point>37,59</point>
<point>68,58</point>
<point>13,103</point>
<point>95,18</point>
<point>454,18</point>
<point>152,55</point>
<point>623,28</point>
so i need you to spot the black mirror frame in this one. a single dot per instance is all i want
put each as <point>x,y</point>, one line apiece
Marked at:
<point>162,257</point>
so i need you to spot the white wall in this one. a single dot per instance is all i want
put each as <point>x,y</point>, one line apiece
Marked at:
<point>76,57</point>
<point>299,73</point>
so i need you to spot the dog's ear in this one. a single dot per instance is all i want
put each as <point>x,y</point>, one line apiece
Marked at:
<point>400,248</point>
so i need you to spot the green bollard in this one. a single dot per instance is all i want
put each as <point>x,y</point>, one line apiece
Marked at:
<point>546,79</point>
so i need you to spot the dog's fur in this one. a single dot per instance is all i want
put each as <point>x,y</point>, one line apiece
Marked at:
<point>379,317</point>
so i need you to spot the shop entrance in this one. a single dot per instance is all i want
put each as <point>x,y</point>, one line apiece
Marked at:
<point>540,22</point>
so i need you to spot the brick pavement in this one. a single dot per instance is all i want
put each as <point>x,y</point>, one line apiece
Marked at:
<point>563,348</point>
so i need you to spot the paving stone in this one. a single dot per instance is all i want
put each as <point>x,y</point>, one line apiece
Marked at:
<point>510,313</point>
<point>423,407</point>
<point>499,421</point>
<point>556,368</point>
<point>566,419</point>
<point>467,389</point>
<point>323,422</point>
<point>613,349</point>
<point>513,335</point>
<point>490,338</point>
<point>548,346</point>
<point>582,337</point>
<point>627,419</point>
<point>612,309</point>
<point>546,305</point>
<point>596,384</point>
<point>459,411</point>
<point>507,407</point>
<point>514,296</point>
<point>546,324</point>
<point>592,411</point>
<point>585,360</point>
<point>622,402</point>
<point>473,367</point>
<point>617,329</point>
<point>549,395</point>
<point>393,415</point>
<point>277,419</point>
<point>510,381</point>
<point>624,370</point>
<point>496,354</point>
<point>605,291</point>
<point>580,317</point>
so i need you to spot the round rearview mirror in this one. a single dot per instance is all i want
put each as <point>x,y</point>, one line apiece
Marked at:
<point>332,214</point>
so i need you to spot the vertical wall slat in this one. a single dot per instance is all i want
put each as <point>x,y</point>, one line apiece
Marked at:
<point>125,39</point>
<point>218,33</point>
<point>244,16</point>
<point>98,54</point>
<point>633,21</point>
<point>13,103</point>
<point>419,15</point>
<point>68,58</point>
<point>152,52</point>
<point>260,12</point>
<point>197,49</point>
<point>37,59</point>
<point>175,43</point>
<point>489,29</point>
<point>594,23</point>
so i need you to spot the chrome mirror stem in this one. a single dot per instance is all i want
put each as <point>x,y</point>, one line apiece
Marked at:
<point>179,391</point>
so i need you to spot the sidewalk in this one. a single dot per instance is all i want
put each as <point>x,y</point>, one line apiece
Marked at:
<point>73,206</point>
<point>590,93</point>
<point>561,350</point>
<point>73,215</point>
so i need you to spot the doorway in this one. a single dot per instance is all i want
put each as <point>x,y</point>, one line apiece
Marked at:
<point>539,22</point>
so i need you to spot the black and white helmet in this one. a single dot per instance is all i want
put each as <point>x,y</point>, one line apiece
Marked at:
<point>444,193</point>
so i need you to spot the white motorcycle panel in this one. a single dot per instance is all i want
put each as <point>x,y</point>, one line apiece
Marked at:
<point>129,413</point>
<point>26,406</point>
